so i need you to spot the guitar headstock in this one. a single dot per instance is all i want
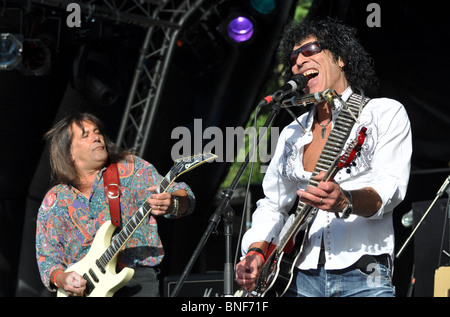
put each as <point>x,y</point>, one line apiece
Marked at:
<point>185,164</point>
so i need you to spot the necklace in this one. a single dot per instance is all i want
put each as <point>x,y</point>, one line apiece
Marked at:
<point>324,127</point>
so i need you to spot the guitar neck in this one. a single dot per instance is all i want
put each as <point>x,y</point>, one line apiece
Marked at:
<point>327,162</point>
<point>138,217</point>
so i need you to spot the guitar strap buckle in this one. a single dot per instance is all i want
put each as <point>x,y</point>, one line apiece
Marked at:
<point>112,191</point>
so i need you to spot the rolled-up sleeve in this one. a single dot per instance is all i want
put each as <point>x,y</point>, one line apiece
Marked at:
<point>392,158</point>
<point>272,210</point>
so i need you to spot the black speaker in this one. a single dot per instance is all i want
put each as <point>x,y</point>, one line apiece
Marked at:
<point>429,241</point>
<point>196,285</point>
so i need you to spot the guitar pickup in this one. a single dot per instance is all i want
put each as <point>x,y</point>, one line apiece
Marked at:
<point>94,277</point>
<point>89,285</point>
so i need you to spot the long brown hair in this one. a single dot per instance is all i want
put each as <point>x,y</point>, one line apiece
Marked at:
<point>60,138</point>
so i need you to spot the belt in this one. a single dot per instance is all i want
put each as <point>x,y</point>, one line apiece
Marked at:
<point>363,262</point>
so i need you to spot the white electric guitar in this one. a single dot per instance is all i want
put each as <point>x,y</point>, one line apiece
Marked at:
<point>98,267</point>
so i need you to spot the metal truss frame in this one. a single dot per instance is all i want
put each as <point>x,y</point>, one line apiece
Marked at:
<point>164,20</point>
<point>151,72</point>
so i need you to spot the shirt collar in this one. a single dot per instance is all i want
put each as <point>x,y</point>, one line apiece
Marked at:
<point>344,96</point>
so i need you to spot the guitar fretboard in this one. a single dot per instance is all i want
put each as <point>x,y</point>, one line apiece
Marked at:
<point>122,237</point>
<point>326,162</point>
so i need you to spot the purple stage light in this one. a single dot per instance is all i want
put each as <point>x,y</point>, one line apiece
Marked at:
<point>240,29</point>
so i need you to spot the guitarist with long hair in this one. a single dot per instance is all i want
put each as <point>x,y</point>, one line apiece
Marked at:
<point>76,207</point>
<point>344,244</point>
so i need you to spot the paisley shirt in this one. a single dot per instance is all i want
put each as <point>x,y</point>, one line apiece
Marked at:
<point>383,164</point>
<point>67,221</point>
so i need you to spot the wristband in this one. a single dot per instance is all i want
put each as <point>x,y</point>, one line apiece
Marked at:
<point>257,251</point>
<point>54,278</point>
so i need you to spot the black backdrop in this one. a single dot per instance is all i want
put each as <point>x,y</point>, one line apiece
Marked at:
<point>221,86</point>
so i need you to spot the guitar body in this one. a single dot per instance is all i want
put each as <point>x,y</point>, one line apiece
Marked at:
<point>279,276</point>
<point>277,273</point>
<point>100,283</point>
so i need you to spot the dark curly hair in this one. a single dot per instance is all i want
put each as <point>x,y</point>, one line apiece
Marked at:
<point>341,41</point>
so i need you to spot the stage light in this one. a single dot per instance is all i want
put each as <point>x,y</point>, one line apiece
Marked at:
<point>263,6</point>
<point>240,29</point>
<point>10,51</point>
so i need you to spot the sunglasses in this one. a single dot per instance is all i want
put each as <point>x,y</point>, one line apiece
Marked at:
<point>306,50</point>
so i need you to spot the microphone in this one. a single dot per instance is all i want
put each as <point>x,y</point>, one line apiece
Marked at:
<point>297,82</point>
<point>305,100</point>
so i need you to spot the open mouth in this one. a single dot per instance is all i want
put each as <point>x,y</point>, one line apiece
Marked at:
<point>310,74</point>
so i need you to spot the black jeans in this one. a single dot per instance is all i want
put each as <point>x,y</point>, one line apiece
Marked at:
<point>144,283</point>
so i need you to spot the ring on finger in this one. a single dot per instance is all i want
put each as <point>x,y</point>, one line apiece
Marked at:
<point>321,201</point>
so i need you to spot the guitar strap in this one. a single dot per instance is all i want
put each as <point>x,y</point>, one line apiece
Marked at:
<point>111,182</point>
<point>333,147</point>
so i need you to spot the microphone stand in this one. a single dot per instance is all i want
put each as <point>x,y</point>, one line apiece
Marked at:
<point>226,212</point>
<point>438,195</point>
<point>444,229</point>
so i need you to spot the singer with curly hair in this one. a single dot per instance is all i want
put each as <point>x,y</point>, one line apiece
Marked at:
<point>324,227</point>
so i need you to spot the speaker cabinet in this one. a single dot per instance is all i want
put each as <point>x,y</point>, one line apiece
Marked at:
<point>197,285</point>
